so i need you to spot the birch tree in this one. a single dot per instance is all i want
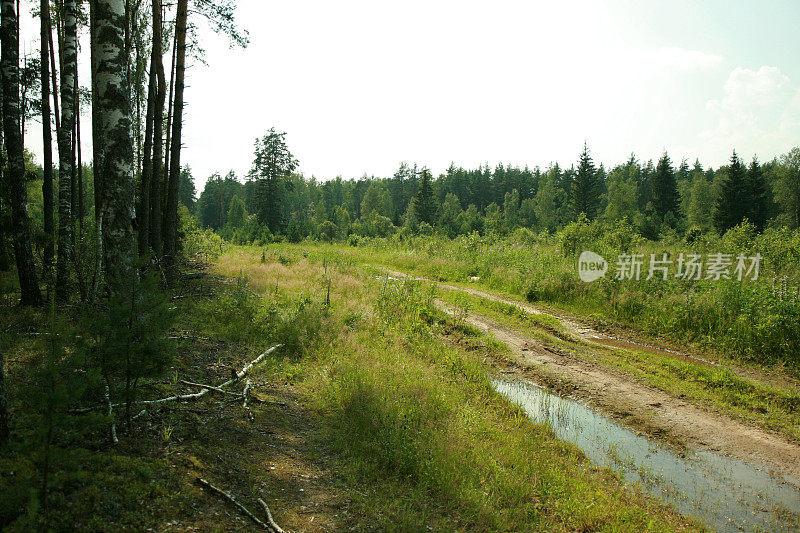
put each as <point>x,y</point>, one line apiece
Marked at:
<point>66,152</point>
<point>9,67</point>
<point>113,112</point>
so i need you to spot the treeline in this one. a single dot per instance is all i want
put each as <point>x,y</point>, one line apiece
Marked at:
<point>655,198</point>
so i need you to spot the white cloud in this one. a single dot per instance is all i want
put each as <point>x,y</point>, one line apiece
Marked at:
<point>758,113</point>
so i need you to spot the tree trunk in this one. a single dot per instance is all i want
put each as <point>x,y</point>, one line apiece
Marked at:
<point>113,111</point>
<point>143,215</point>
<point>47,142</point>
<point>79,192</point>
<point>5,262</point>
<point>9,66</point>
<point>4,429</point>
<point>66,152</point>
<point>171,215</point>
<point>158,131</point>
<point>56,112</point>
<point>97,142</point>
<point>168,145</point>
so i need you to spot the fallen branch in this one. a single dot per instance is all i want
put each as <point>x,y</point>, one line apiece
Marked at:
<point>269,517</point>
<point>246,394</point>
<point>197,395</point>
<point>209,387</point>
<point>239,375</point>
<point>231,499</point>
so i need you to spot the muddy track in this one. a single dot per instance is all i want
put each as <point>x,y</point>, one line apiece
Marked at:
<point>649,409</point>
<point>644,408</point>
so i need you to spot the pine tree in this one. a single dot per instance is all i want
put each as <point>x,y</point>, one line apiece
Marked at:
<point>273,164</point>
<point>585,187</point>
<point>757,196</point>
<point>47,140</point>
<point>170,229</point>
<point>425,203</point>
<point>665,188</point>
<point>157,178</point>
<point>731,206</point>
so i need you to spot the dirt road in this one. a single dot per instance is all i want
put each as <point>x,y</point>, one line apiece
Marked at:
<point>635,404</point>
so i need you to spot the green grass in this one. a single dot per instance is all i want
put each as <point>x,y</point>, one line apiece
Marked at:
<point>758,321</point>
<point>415,434</point>
<point>405,410</point>
<point>412,418</point>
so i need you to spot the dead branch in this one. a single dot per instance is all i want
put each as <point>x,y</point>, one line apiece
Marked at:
<point>197,395</point>
<point>269,517</point>
<point>246,394</point>
<point>231,499</point>
<point>209,387</point>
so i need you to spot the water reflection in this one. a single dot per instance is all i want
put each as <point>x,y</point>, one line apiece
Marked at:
<point>727,494</point>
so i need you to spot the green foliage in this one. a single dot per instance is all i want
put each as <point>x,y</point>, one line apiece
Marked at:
<point>125,339</point>
<point>787,187</point>
<point>196,240</point>
<point>240,315</point>
<point>237,213</point>
<point>656,199</point>
<point>756,321</point>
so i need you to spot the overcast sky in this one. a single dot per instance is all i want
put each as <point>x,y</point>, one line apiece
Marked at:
<point>361,86</point>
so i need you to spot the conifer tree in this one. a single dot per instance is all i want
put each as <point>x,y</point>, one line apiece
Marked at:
<point>273,164</point>
<point>731,205</point>
<point>425,204</point>
<point>47,141</point>
<point>585,187</point>
<point>665,188</point>
<point>757,198</point>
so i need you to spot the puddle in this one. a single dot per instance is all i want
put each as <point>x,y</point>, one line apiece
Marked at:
<point>727,494</point>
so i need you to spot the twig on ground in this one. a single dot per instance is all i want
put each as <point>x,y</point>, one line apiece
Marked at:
<point>246,394</point>
<point>197,395</point>
<point>269,517</point>
<point>231,499</point>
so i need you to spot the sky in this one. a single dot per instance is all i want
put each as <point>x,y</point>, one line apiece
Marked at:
<point>360,87</point>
